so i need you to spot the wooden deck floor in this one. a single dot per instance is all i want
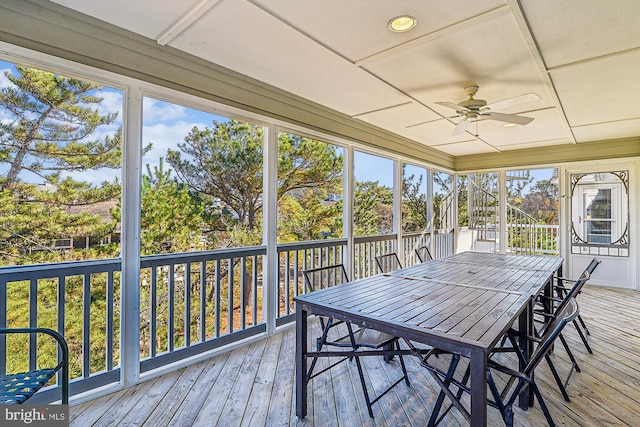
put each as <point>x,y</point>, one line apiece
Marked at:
<point>254,385</point>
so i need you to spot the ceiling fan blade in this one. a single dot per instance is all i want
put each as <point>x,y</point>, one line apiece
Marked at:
<point>509,102</point>
<point>456,107</point>
<point>461,126</point>
<point>509,118</point>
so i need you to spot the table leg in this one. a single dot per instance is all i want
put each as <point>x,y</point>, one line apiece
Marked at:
<point>525,324</point>
<point>301,361</point>
<point>478,389</point>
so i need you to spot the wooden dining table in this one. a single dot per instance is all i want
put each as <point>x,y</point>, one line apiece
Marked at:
<point>463,304</point>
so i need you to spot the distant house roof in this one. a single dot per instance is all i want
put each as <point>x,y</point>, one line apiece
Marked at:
<point>103,209</point>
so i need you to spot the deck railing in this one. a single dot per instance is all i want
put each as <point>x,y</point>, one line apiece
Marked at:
<point>542,239</point>
<point>189,303</point>
<point>366,249</point>
<point>293,259</point>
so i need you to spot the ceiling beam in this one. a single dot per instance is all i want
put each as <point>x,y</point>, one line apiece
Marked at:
<point>584,151</point>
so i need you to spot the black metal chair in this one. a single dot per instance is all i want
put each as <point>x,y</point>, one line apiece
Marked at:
<point>562,292</point>
<point>423,253</point>
<point>454,386</point>
<point>388,262</point>
<point>551,306</point>
<point>355,337</point>
<point>17,388</point>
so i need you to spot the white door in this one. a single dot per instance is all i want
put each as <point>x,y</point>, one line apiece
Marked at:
<point>600,227</point>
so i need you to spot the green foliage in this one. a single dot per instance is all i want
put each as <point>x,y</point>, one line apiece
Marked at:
<point>170,217</point>
<point>48,122</point>
<point>307,216</point>
<point>224,162</point>
<point>414,204</point>
<point>49,117</point>
<point>373,209</point>
<point>542,202</point>
<point>463,201</point>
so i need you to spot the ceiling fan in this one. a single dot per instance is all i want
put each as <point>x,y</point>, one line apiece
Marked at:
<point>477,109</point>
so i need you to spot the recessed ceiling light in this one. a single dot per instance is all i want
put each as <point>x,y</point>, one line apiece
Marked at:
<point>509,125</point>
<point>402,23</point>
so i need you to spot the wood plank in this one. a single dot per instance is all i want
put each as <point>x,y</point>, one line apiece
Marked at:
<point>123,406</point>
<point>236,404</point>
<point>196,397</point>
<point>256,410</point>
<point>145,406</point>
<point>219,392</point>
<point>279,411</point>
<point>175,396</point>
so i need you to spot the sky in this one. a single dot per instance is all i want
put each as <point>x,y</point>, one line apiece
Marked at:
<point>166,124</point>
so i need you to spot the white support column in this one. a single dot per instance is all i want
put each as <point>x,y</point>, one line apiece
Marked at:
<point>130,251</point>
<point>502,201</point>
<point>397,208</point>
<point>347,207</point>
<point>430,211</point>
<point>454,213</point>
<point>269,230</point>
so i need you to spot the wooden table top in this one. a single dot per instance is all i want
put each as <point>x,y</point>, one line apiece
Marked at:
<point>529,262</point>
<point>470,297</point>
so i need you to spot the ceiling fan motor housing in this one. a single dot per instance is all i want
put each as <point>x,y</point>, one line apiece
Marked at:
<point>471,103</point>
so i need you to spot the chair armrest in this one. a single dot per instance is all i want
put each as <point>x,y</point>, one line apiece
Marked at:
<point>62,366</point>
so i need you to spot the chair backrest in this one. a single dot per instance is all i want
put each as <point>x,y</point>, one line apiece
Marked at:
<point>591,268</point>
<point>578,284</point>
<point>423,254</point>
<point>325,277</point>
<point>568,314</point>
<point>388,262</point>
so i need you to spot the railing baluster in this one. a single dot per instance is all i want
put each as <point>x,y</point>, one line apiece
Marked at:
<point>287,282</point>
<point>3,324</point>
<point>86,324</point>
<point>218,286</point>
<point>243,292</point>
<point>153,312</point>
<point>187,304</point>
<point>230,300</point>
<point>33,322</point>
<point>254,287</point>
<point>170,307</point>
<point>203,301</point>
<point>296,275</point>
<point>109,320</point>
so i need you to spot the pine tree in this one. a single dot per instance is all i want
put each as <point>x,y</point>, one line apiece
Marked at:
<point>47,130</point>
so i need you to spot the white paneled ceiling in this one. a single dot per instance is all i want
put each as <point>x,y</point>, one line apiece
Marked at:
<point>582,57</point>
